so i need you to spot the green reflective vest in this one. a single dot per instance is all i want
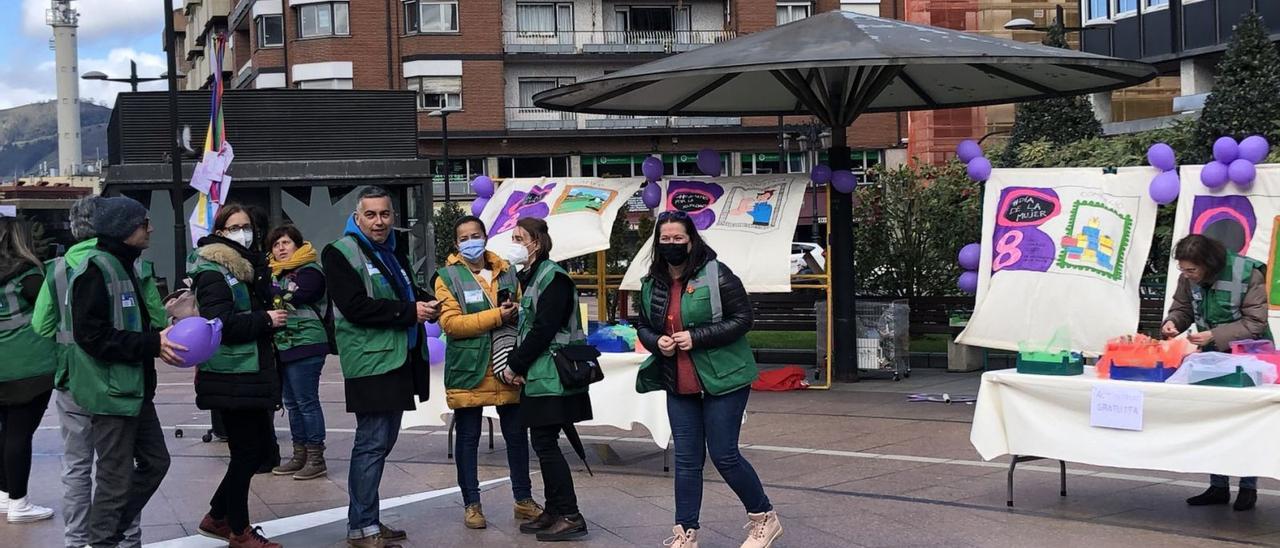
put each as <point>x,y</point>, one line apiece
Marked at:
<point>230,358</point>
<point>367,351</point>
<point>721,369</point>
<point>102,387</point>
<point>26,353</point>
<point>305,326</point>
<point>466,360</point>
<point>1221,304</point>
<point>543,379</point>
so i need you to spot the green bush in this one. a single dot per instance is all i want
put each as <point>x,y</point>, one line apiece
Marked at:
<point>1244,99</point>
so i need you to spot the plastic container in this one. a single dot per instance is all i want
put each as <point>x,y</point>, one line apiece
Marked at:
<point>1050,363</point>
<point>1239,379</point>
<point>1142,352</point>
<point>1141,373</point>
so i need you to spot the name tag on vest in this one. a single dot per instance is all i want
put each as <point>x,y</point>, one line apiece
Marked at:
<point>232,281</point>
<point>473,296</point>
<point>127,300</point>
<point>372,269</point>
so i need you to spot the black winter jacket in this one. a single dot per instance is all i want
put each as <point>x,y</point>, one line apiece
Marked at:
<point>237,391</point>
<point>733,325</point>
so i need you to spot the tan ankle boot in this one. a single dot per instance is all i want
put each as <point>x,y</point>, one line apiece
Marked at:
<point>682,538</point>
<point>314,466</point>
<point>473,517</point>
<point>296,462</point>
<point>762,530</point>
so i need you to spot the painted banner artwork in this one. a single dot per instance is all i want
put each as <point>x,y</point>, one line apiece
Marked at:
<point>579,211</point>
<point>1245,221</point>
<point>749,221</point>
<point>1059,252</point>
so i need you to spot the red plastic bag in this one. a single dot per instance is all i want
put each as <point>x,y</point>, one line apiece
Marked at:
<point>781,380</point>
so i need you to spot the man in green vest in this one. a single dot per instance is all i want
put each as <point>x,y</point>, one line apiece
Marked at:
<point>378,317</point>
<point>111,369</point>
<point>1224,297</point>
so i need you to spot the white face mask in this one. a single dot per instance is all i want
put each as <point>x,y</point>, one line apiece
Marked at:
<point>242,237</point>
<point>515,254</point>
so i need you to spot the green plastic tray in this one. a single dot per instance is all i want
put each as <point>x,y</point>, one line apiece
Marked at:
<point>1050,363</point>
<point>1234,380</point>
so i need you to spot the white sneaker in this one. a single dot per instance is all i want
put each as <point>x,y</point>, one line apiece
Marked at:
<point>682,538</point>
<point>4,502</point>
<point>762,530</point>
<point>22,511</point>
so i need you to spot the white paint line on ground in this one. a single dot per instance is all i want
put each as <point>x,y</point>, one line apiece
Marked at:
<point>292,524</point>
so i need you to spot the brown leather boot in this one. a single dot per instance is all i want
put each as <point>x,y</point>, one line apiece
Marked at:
<point>315,466</point>
<point>296,462</point>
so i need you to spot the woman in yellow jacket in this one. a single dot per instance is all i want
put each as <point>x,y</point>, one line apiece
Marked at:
<point>477,293</point>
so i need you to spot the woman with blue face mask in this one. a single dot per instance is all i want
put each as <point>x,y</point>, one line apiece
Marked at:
<point>478,312</point>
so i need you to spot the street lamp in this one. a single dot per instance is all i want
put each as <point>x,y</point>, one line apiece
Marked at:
<point>133,80</point>
<point>443,115</point>
<point>809,139</point>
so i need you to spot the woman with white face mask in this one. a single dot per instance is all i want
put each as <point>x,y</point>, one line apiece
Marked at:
<point>232,284</point>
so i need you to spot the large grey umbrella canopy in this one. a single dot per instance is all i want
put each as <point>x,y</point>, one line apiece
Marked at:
<point>839,65</point>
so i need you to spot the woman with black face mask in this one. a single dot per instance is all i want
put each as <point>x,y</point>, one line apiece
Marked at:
<point>695,316</point>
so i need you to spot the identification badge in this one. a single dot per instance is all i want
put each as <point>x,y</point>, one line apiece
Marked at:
<point>232,281</point>
<point>372,269</point>
<point>473,296</point>
<point>127,301</point>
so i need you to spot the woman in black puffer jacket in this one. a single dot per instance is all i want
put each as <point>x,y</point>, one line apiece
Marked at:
<point>232,283</point>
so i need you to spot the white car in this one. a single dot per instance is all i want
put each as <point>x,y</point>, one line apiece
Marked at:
<point>798,251</point>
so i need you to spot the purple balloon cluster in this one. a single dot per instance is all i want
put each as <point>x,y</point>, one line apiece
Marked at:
<point>483,187</point>
<point>1235,162</point>
<point>976,165</point>
<point>435,346</point>
<point>652,194</point>
<point>1166,185</point>
<point>843,181</point>
<point>970,256</point>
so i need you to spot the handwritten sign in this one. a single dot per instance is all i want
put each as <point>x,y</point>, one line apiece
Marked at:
<point>1116,407</point>
<point>1028,209</point>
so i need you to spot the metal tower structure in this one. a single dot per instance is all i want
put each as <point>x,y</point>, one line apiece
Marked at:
<point>64,20</point>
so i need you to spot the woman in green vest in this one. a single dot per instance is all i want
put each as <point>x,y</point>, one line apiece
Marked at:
<point>299,286</point>
<point>26,376</point>
<point>1224,297</point>
<point>232,284</point>
<point>548,321</point>
<point>478,311</point>
<point>695,316</point>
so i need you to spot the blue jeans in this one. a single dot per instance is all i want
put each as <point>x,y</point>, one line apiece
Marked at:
<point>702,423</point>
<point>466,446</point>
<point>1225,481</point>
<point>302,399</point>
<point>376,435</point>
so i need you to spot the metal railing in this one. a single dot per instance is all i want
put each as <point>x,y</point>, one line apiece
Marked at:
<point>612,41</point>
<point>534,118</point>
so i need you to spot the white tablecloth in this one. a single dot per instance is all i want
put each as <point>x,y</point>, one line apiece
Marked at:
<point>1186,428</point>
<point>614,401</point>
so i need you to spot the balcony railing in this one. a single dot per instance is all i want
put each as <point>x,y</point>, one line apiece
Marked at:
<point>612,41</point>
<point>535,119</point>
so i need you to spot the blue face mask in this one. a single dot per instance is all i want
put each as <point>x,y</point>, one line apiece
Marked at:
<point>472,249</point>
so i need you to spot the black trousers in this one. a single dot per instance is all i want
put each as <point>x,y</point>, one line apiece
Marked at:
<point>248,432</point>
<point>557,479</point>
<point>18,425</point>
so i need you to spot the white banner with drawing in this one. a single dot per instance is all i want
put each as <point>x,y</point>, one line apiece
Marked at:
<point>579,211</point>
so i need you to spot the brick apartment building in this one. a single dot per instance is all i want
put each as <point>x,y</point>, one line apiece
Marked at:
<point>483,60</point>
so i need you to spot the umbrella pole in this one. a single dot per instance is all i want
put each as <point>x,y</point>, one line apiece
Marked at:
<point>843,286</point>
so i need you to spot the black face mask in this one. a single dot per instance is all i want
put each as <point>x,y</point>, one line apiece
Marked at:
<point>674,254</point>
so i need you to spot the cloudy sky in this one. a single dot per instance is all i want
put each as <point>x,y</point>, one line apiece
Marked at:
<point>111,33</point>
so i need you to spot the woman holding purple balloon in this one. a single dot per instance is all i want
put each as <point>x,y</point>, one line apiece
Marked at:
<point>232,284</point>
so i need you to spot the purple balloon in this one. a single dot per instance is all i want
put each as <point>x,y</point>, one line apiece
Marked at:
<point>968,282</point>
<point>970,255</point>
<point>1165,187</point>
<point>1161,157</point>
<point>968,150</point>
<point>979,169</point>
<point>1214,174</point>
<point>1225,150</point>
<point>435,351</point>
<point>652,195</point>
<point>1242,172</point>
<point>652,168</point>
<point>709,162</point>
<point>1254,148</point>
<point>433,329</point>
<point>844,181</point>
<point>821,174</point>
<point>482,186</point>
<point>201,337</point>
<point>477,206</point>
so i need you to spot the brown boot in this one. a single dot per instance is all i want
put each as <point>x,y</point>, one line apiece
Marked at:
<point>375,541</point>
<point>527,510</point>
<point>252,538</point>
<point>547,519</point>
<point>473,517</point>
<point>315,466</point>
<point>564,528</point>
<point>295,463</point>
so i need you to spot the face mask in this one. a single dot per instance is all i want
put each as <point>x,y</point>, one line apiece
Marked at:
<point>472,249</point>
<point>516,254</point>
<point>674,254</point>
<point>242,237</point>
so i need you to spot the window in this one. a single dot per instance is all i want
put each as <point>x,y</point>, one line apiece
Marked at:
<point>462,171</point>
<point>865,7</point>
<point>1157,3</point>
<point>270,31</point>
<point>533,86</point>
<point>1099,9</point>
<point>612,166</point>
<point>424,16</point>
<point>640,19</point>
<point>536,166</point>
<point>686,165</point>
<point>323,20</point>
<point>1125,6</point>
<point>544,19</point>
<point>328,83</point>
<point>438,92</point>
<point>792,11</point>
<point>759,163</point>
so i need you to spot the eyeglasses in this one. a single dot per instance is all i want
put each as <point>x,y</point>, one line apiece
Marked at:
<point>238,227</point>
<point>677,214</point>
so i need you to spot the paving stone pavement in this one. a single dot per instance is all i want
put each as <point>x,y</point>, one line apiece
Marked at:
<point>853,466</point>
